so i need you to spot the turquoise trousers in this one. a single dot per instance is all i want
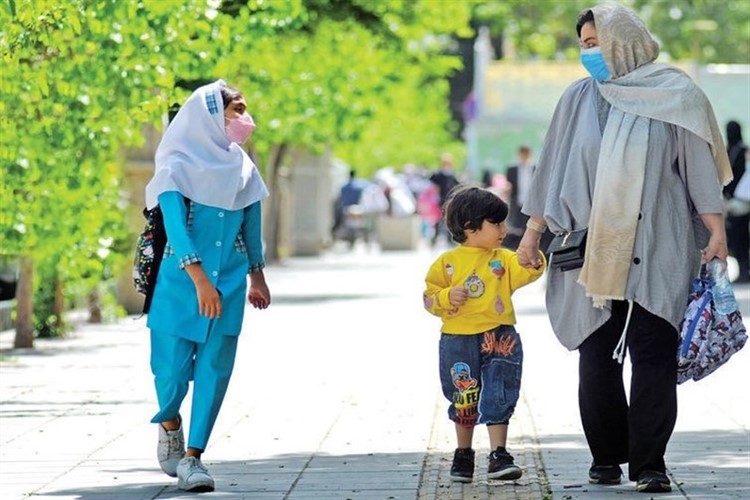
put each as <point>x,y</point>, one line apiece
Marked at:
<point>176,361</point>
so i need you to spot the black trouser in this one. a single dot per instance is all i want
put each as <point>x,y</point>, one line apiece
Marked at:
<point>738,236</point>
<point>615,433</point>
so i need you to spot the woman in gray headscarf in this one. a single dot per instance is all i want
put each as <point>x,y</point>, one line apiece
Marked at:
<point>634,154</point>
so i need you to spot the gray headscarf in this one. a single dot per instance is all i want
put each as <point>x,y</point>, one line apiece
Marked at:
<point>624,39</point>
<point>639,91</point>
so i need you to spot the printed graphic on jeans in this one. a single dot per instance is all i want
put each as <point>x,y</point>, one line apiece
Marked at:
<point>462,379</point>
<point>502,345</point>
<point>474,285</point>
<point>466,398</point>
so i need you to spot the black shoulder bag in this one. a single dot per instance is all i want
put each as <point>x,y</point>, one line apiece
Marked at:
<point>567,250</point>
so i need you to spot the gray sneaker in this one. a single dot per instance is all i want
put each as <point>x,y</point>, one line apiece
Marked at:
<point>170,450</point>
<point>192,475</point>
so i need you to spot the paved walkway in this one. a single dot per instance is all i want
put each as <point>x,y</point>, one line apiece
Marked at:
<point>335,396</point>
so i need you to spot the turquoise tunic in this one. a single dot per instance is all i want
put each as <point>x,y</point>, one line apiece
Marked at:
<point>228,245</point>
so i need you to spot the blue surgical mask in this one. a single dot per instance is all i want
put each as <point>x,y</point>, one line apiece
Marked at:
<point>593,60</point>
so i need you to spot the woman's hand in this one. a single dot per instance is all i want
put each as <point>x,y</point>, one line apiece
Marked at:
<point>458,296</point>
<point>717,244</point>
<point>258,295</point>
<point>717,247</point>
<point>528,249</point>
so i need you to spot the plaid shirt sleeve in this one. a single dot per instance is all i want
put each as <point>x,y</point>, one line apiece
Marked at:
<point>186,260</point>
<point>254,268</point>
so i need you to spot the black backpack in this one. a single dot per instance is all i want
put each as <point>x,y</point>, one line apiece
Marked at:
<point>149,251</point>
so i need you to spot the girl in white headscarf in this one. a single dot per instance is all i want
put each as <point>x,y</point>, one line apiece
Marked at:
<point>209,192</point>
<point>634,154</point>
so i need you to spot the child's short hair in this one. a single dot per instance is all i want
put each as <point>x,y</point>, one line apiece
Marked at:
<point>468,206</point>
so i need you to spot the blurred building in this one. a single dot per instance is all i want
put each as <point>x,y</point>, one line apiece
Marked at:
<point>520,97</point>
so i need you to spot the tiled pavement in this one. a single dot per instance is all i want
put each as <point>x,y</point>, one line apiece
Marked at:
<point>335,396</point>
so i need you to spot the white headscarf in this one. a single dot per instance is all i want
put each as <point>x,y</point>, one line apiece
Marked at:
<point>196,158</point>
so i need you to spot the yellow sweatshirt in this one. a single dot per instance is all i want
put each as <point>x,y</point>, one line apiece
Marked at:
<point>490,276</point>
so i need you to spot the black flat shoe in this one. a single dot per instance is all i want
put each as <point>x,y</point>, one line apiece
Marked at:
<point>605,474</point>
<point>651,481</point>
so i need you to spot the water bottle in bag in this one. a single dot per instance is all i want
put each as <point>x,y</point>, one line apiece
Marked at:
<point>722,289</point>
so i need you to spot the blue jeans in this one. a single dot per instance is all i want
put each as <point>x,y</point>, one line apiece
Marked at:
<point>481,375</point>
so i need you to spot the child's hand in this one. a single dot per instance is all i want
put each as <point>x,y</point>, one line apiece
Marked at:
<point>542,260</point>
<point>258,294</point>
<point>528,250</point>
<point>458,295</point>
<point>209,300</point>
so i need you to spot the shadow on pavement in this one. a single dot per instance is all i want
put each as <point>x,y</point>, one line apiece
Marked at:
<point>710,464</point>
<point>330,477</point>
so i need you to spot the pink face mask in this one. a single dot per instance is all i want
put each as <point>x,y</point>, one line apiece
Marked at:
<point>240,129</point>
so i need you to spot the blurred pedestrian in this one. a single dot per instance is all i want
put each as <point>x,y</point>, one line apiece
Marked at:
<point>738,210</point>
<point>415,178</point>
<point>445,179</point>
<point>349,195</point>
<point>470,288</point>
<point>635,156</point>
<point>401,200</point>
<point>501,187</point>
<point>210,193</point>
<point>428,207</point>
<point>487,177</point>
<point>426,196</point>
<point>519,177</point>
<point>356,207</point>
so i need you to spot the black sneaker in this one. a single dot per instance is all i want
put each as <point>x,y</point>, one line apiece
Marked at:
<point>502,466</point>
<point>651,481</point>
<point>462,469</point>
<point>605,474</point>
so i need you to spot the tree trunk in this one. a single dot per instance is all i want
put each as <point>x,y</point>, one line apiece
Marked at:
<point>273,217</point>
<point>95,306</point>
<point>24,305</point>
<point>58,306</point>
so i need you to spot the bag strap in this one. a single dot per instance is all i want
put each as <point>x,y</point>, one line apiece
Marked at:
<point>707,296</point>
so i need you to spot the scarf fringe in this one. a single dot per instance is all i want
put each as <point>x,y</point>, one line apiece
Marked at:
<point>600,301</point>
